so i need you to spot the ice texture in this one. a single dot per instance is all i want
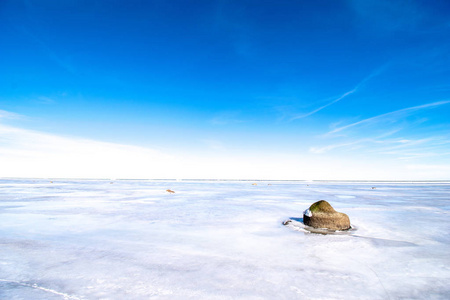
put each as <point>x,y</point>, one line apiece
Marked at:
<point>127,239</point>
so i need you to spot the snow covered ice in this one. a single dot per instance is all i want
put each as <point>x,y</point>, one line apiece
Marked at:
<point>220,240</point>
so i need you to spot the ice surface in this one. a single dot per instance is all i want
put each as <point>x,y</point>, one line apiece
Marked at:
<point>220,240</point>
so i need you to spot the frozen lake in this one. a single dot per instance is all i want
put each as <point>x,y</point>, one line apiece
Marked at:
<point>221,240</point>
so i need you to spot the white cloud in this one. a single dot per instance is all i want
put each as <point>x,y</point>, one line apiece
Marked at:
<point>27,153</point>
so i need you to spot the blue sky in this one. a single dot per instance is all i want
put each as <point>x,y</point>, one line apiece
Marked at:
<point>225,89</point>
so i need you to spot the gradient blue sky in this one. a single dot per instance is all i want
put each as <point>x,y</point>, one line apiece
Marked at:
<point>225,89</point>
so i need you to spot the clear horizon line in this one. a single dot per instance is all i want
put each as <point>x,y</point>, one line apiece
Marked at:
<point>221,179</point>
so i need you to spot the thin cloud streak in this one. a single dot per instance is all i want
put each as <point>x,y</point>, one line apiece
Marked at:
<point>321,150</point>
<point>346,94</point>
<point>357,143</point>
<point>325,106</point>
<point>392,113</point>
<point>48,51</point>
<point>412,149</point>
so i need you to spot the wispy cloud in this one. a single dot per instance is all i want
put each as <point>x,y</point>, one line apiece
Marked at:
<point>393,136</point>
<point>45,100</point>
<point>388,137</point>
<point>393,114</point>
<point>324,149</point>
<point>352,145</point>
<point>226,118</point>
<point>388,15</point>
<point>410,149</point>
<point>47,50</point>
<point>324,106</point>
<point>345,95</point>
<point>9,115</point>
<point>214,144</point>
